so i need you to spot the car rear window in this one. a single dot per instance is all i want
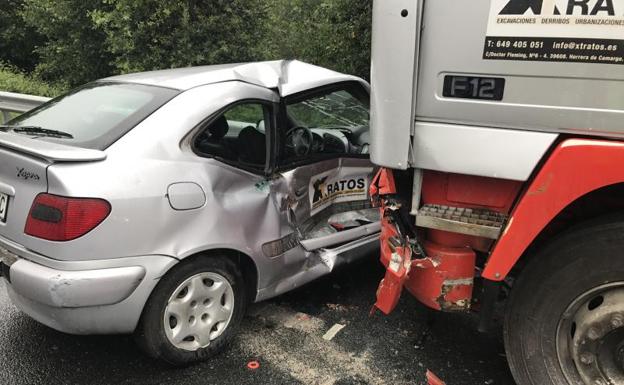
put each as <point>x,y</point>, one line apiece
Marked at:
<point>94,115</point>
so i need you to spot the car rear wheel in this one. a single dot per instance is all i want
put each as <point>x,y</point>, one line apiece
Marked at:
<point>193,312</point>
<point>565,316</point>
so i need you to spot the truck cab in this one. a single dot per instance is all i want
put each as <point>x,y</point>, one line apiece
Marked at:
<point>498,127</point>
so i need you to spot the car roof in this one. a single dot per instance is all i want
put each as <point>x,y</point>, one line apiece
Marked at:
<point>288,76</point>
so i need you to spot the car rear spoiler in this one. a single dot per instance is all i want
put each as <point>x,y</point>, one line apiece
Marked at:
<point>53,152</point>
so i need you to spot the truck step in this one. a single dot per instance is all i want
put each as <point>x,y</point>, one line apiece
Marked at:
<point>477,222</point>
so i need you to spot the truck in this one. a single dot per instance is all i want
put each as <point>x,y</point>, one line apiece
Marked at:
<point>498,129</point>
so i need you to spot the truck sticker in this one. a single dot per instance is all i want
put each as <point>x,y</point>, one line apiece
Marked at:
<point>583,31</point>
<point>327,188</point>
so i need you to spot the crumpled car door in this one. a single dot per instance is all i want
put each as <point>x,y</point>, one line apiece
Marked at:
<point>328,202</point>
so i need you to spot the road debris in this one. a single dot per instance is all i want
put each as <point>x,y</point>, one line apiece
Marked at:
<point>340,307</point>
<point>331,333</point>
<point>253,365</point>
<point>432,379</point>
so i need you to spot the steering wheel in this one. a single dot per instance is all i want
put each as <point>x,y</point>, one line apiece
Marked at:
<point>299,140</point>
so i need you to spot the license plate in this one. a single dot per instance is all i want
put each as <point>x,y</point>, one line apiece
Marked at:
<point>4,205</point>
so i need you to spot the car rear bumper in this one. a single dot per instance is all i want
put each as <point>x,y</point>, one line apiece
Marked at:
<point>87,297</point>
<point>71,289</point>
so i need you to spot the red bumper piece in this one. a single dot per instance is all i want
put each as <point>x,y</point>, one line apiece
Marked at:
<point>444,279</point>
<point>432,379</point>
<point>396,258</point>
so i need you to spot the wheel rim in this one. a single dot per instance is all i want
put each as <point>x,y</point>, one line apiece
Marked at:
<point>198,311</point>
<point>590,337</point>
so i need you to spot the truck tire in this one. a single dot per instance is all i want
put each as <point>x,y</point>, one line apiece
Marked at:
<point>193,312</point>
<point>564,322</point>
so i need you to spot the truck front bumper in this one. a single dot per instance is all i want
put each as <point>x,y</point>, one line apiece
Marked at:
<point>87,297</point>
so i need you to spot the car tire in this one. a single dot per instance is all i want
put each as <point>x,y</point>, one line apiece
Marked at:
<point>193,312</point>
<point>546,319</point>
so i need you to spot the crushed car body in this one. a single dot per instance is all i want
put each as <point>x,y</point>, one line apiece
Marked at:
<point>161,203</point>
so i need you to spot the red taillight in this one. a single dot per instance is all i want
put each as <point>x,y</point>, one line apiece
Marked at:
<point>57,218</point>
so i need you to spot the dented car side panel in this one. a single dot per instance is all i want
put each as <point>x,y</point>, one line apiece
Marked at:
<point>232,194</point>
<point>168,204</point>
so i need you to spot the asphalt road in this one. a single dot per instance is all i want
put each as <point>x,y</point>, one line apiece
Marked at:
<point>285,336</point>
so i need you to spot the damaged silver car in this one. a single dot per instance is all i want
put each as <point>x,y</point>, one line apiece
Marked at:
<point>161,203</point>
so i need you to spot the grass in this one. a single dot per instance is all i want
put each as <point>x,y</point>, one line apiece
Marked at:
<point>12,80</point>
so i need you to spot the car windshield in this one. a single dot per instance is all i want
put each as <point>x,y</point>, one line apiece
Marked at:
<point>337,109</point>
<point>93,116</point>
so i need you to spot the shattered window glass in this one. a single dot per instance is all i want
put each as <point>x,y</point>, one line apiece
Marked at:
<point>326,123</point>
<point>337,109</point>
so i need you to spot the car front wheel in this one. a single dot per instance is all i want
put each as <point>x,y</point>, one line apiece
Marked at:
<point>193,312</point>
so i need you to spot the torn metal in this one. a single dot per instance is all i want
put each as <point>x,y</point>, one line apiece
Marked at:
<point>326,218</point>
<point>443,280</point>
<point>440,277</point>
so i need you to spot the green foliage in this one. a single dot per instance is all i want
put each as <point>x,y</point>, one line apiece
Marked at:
<point>75,41</point>
<point>250,113</point>
<point>17,40</point>
<point>74,50</point>
<point>152,34</point>
<point>12,80</point>
<point>331,33</point>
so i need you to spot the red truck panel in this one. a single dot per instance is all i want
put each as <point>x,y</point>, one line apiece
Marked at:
<point>575,168</point>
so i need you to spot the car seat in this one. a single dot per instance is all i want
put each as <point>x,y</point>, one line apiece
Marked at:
<point>212,143</point>
<point>252,146</point>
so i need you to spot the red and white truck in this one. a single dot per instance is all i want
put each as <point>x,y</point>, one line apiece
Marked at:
<point>499,129</point>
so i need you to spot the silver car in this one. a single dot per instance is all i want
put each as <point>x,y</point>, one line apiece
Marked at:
<point>162,203</point>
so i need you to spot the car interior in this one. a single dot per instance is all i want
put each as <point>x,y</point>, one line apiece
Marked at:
<point>330,124</point>
<point>236,136</point>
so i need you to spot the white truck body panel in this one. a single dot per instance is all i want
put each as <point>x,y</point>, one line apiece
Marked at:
<point>393,79</point>
<point>504,154</point>
<point>547,91</point>
<point>548,96</point>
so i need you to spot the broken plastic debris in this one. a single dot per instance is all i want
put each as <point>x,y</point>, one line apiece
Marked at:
<point>263,186</point>
<point>331,333</point>
<point>328,257</point>
<point>302,316</point>
<point>432,379</point>
<point>340,307</point>
<point>253,365</point>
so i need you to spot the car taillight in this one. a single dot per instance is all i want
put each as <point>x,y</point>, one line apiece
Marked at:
<point>58,218</point>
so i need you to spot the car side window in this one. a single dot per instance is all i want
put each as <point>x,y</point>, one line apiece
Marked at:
<point>327,123</point>
<point>237,135</point>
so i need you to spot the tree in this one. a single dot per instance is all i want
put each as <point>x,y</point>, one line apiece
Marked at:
<point>152,34</point>
<point>73,51</point>
<point>75,41</point>
<point>331,33</point>
<point>17,39</point>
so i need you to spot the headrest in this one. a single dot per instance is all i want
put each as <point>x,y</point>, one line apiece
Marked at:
<point>219,128</point>
<point>251,131</point>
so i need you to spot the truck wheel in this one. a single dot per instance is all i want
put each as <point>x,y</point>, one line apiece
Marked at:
<point>565,316</point>
<point>193,312</point>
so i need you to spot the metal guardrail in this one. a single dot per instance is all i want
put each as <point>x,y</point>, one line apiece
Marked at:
<point>11,103</point>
